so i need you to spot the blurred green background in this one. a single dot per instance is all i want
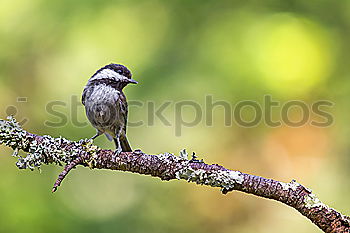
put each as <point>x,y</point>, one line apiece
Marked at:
<point>177,50</point>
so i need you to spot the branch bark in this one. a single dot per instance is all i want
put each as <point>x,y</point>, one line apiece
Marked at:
<point>46,150</point>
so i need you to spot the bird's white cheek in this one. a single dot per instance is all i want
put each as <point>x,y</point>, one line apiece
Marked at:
<point>109,74</point>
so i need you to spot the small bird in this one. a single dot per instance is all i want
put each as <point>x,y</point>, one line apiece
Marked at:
<point>106,106</point>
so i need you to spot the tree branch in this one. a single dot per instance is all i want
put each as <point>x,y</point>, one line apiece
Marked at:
<point>46,150</point>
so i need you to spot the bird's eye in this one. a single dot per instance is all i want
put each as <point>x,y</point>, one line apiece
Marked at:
<point>119,71</point>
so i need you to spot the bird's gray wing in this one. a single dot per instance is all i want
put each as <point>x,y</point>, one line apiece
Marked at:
<point>86,92</point>
<point>83,96</point>
<point>123,108</point>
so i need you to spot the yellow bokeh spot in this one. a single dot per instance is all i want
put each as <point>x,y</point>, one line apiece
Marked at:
<point>291,54</point>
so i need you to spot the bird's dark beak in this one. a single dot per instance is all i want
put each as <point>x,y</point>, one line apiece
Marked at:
<point>133,81</point>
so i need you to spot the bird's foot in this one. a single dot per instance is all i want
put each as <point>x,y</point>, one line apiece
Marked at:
<point>116,154</point>
<point>95,136</point>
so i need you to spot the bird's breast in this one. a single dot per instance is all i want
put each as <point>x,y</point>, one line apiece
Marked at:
<point>102,106</point>
<point>103,93</point>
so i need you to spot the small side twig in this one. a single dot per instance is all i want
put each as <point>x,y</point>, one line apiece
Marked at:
<point>65,172</point>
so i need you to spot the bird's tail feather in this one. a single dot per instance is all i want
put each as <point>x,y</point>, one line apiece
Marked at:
<point>124,144</point>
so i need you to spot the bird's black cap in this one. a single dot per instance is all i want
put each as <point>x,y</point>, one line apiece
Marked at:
<point>120,69</point>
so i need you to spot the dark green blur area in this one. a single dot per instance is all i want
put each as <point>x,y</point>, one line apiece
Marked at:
<point>177,50</point>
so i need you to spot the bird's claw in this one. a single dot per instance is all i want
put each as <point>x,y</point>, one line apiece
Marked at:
<point>116,154</point>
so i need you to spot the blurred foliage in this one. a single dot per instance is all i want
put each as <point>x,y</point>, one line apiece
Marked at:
<point>177,50</point>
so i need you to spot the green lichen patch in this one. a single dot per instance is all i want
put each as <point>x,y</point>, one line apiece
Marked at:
<point>183,154</point>
<point>312,201</point>
<point>48,150</point>
<point>293,185</point>
<point>11,134</point>
<point>225,179</point>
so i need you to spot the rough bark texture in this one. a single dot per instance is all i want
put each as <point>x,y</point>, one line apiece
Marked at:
<point>45,150</point>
